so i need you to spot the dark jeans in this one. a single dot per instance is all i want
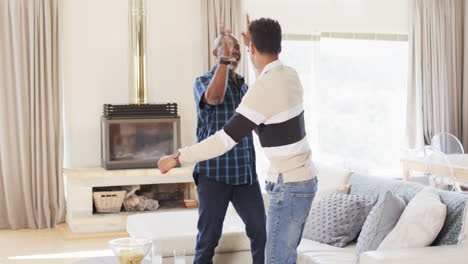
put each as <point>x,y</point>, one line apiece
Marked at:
<point>214,198</point>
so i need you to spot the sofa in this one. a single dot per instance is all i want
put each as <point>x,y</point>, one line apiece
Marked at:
<point>170,230</point>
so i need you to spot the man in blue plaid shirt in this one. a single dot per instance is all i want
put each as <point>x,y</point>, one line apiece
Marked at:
<point>231,177</point>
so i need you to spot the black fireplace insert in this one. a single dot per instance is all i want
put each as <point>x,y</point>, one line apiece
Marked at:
<point>137,136</point>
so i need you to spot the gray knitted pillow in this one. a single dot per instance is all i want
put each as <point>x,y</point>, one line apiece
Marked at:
<point>337,219</point>
<point>380,221</point>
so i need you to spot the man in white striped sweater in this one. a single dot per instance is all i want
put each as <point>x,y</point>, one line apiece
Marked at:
<point>273,108</point>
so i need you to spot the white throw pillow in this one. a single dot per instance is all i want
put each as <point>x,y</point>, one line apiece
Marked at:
<point>331,175</point>
<point>420,222</point>
<point>325,192</point>
<point>331,179</point>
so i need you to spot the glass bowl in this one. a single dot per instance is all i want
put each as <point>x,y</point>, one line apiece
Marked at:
<point>132,250</point>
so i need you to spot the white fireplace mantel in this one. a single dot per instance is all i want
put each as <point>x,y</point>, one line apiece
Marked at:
<point>79,188</point>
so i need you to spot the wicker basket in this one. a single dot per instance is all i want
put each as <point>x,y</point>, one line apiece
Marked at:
<point>108,202</point>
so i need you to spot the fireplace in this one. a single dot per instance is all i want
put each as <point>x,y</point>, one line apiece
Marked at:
<point>134,137</point>
<point>137,136</point>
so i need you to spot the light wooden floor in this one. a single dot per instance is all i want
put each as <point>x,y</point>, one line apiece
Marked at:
<point>51,246</point>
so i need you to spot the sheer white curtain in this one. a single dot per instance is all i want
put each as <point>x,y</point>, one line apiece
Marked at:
<point>215,12</point>
<point>354,97</point>
<point>31,185</point>
<point>436,99</point>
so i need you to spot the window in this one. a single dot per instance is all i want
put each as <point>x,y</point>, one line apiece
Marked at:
<point>355,99</point>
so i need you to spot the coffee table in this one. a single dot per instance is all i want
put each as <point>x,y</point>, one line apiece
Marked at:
<point>100,260</point>
<point>103,260</point>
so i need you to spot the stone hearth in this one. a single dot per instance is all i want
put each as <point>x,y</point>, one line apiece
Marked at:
<point>79,193</point>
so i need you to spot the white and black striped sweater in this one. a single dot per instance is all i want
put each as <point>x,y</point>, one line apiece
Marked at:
<point>273,108</point>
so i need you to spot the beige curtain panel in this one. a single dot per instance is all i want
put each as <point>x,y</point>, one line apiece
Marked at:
<point>215,12</point>
<point>437,87</point>
<point>465,82</point>
<point>31,185</point>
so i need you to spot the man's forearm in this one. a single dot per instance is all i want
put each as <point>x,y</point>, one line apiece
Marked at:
<point>212,147</point>
<point>221,142</point>
<point>214,94</point>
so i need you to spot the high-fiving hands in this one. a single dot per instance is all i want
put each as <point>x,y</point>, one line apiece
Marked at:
<point>246,34</point>
<point>225,44</point>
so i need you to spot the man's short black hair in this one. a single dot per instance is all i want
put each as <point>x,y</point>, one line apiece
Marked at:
<point>265,34</point>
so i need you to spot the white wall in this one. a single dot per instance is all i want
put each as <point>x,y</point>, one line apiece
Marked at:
<point>308,16</point>
<point>95,66</point>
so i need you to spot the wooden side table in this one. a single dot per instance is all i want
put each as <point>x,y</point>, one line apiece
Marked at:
<point>459,163</point>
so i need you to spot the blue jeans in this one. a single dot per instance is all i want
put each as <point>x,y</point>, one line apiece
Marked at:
<point>288,210</point>
<point>214,198</point>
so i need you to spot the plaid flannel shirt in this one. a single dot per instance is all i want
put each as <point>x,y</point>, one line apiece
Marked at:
<point>238,165</point>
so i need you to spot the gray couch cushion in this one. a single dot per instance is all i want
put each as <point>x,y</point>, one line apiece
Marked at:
<point>337,219</point>
<point>380,221</point>
<point>362,184</point>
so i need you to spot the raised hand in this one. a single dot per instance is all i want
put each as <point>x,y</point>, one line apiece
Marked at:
<point>225,44</point>
<point>246,34</point>
<point>223,30</point>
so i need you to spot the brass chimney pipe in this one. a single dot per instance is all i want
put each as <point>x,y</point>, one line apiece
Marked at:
<point>137,21</point>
